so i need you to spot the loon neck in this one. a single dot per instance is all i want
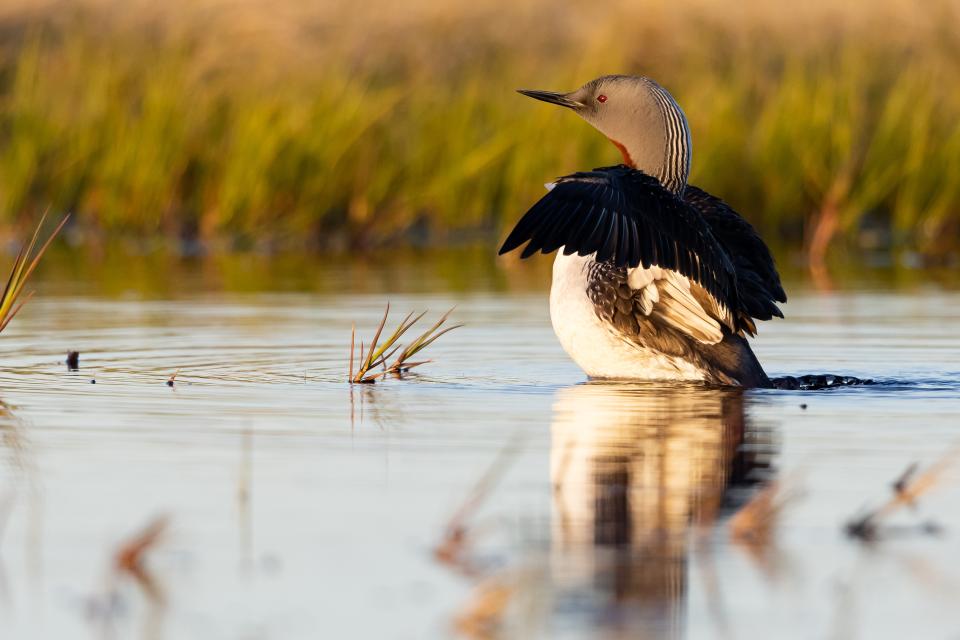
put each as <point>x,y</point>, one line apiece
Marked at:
<point>671,166</point>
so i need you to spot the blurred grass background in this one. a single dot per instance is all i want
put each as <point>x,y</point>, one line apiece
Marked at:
<point>334,124</point>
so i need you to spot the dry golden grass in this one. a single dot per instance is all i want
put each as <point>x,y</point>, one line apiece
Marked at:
<point>377,354</point>
<point>23,266</point>
<point>319,123</point>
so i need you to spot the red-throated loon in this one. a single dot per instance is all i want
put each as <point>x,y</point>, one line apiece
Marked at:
<point>654,279</point>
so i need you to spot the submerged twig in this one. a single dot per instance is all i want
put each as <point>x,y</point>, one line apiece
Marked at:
<point>451,548</point>
<point>753,527</point>
<point>131,553</point>
<point>482,616</point>
<point>377,355</point>
<point>23,266</point>
<point>907,488</point>
<point>506,602</point>
<point>129,557</point>
<point>754,522</point>
<point>129,562</point>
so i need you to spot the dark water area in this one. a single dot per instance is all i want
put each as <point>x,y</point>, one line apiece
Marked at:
<point>161,270</point>
<point>299,506</point>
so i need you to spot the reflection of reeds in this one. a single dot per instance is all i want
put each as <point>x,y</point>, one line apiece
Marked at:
<point>373,360</point>
<point>23,266</point>
<point>308,119</point>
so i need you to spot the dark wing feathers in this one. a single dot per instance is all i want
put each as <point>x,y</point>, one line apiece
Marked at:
<point>757,276</point>
<point>628,218</point>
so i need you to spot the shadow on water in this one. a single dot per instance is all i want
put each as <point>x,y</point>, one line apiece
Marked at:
<point>636,470</point>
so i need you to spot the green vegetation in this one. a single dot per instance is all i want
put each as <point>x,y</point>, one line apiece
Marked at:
<point>287,123</point>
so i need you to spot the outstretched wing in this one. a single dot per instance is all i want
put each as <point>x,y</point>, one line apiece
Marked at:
<point>757,277</point>
<point>627,218</point>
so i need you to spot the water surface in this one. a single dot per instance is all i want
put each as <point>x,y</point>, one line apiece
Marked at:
<point>300,507</point>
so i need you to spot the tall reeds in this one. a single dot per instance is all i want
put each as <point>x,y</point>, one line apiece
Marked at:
<point>319,123</point>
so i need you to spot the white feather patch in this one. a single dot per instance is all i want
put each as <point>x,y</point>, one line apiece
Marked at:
<point>649,296</point>
<point>640,278</point>
<point>666,294</point>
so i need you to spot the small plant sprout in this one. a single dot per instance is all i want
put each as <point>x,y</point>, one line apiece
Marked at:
<point>374,359</point>
<point>23,266</point>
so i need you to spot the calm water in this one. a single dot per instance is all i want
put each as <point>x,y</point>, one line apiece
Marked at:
<point>301,508</point>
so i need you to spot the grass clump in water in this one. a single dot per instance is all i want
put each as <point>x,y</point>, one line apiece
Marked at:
<point>378,354</point>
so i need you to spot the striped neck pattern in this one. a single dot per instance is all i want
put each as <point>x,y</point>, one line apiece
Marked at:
<point>676,158</point>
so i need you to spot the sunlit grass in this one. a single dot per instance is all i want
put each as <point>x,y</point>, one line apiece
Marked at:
<point>298,122</point>
<point>13,299</point>
<point>374,358</point>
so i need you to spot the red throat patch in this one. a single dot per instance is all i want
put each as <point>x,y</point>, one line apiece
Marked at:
<point>627,160</point>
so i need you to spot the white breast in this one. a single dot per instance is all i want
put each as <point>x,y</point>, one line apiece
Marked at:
<point>592,343</point>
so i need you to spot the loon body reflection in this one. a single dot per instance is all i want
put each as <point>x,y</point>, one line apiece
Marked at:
<point>654,278</point>
<point>633,470</point>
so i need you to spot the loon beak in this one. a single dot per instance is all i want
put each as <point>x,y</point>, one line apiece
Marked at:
<point>562,99</point>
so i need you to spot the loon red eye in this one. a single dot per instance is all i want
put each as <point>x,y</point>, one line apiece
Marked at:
<point>601,98</point>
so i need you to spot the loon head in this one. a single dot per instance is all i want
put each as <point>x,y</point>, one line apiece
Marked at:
<point>640,117</point>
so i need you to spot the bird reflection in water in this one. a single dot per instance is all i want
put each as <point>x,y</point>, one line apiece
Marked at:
<point>635,470</point>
